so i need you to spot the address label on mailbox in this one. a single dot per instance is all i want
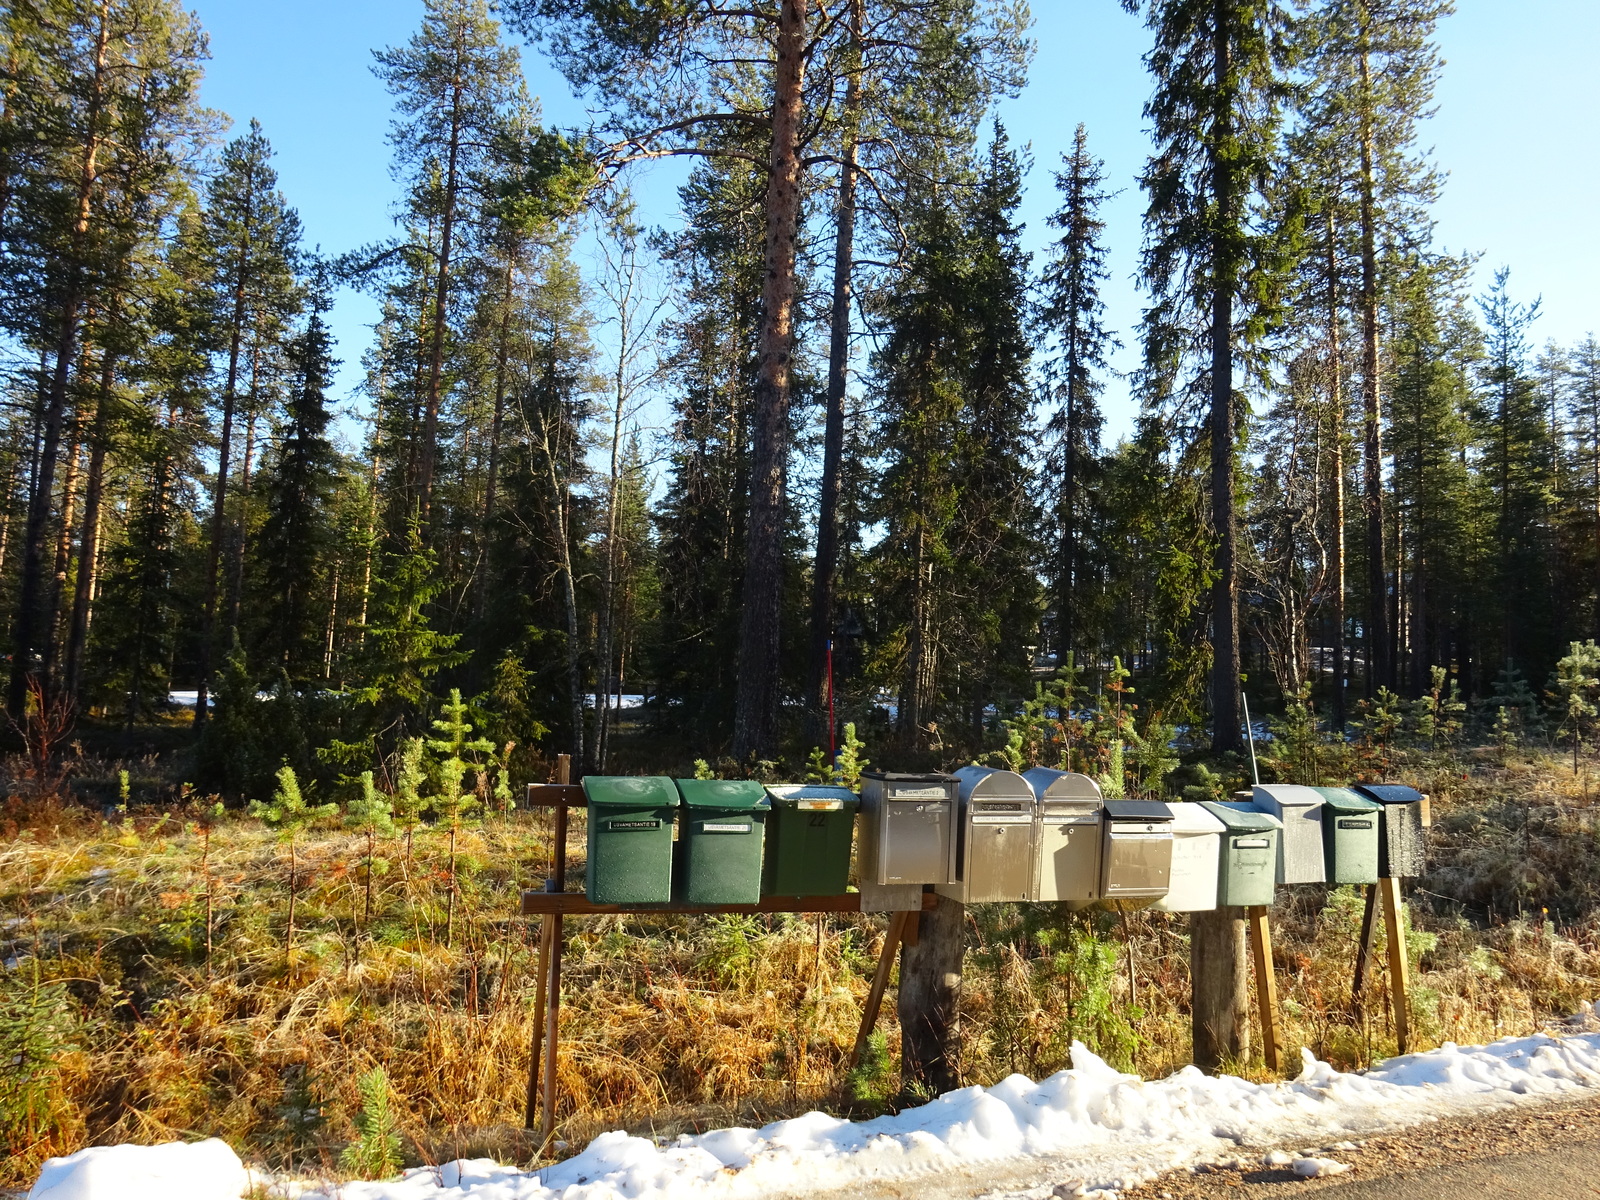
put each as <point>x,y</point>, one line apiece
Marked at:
<point>926,793</point>
<point>1251,843</point>
<point>1354,823</point>
<point>724,827</point>
<point>624,825</point>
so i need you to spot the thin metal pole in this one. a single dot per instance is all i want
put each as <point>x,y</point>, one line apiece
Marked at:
<point>1250,733</point>
<point>833,740</point>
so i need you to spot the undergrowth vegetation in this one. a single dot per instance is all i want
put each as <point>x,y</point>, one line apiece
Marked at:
<point>150,989</point>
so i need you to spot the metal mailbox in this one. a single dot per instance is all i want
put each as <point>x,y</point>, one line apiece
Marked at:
<point>1403,839</point>
<point>808,840</point>
<point>1300,856</point>
<point>1196,858</point>
<point>908,829</point>
<point>1136,857</point>
<point>630,839</point>
<point>1248,872</point>
<point>1350,835</point>
<point>995,837</point>
<point>1068,857</point>
<point>719,851</point>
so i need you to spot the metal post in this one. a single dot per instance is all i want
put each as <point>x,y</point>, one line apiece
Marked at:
<point>1250,735</point>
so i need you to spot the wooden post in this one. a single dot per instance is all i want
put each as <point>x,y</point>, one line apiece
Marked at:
<point>1369,928</point>
<point>1266,988</point>
<point>929,998</point>
<point>880,980</point>
<point>546,929</point>
<point>1219,969</point>
<point>1399,972</point>
<point>547,998</point>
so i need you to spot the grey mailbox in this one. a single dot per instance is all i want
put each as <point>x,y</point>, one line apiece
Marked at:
<point>995,837</point>
<point>1300,857</point>
<point>1136,856</point>
<point>908,829</point>
<point>1068,858</point>
<point>1196,855</point>
<point>1402,846</point>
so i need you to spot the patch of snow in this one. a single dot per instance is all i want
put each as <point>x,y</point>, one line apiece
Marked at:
<point>207,1170</point>
<point>1098,1129</point>
<point>1313,1167</point>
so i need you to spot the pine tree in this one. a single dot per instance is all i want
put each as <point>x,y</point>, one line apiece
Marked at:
<point>1583,417</point>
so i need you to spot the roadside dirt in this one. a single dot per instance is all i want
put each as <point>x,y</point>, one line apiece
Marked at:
<point>1458,1156</point>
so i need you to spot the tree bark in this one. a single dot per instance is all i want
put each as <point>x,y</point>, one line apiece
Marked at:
<point>1379,663</point>
<point>1224,593</point>
<point>928,1004</point>
<point>441,304</point>
<point>1336,417</point>
<point>757,696</point>
<point>1219,963</point>
<point>824,582</point>
<point>26,631</point>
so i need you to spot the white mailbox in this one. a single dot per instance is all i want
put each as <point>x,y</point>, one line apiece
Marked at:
<point>1068,860</point>
<point>1196,856</point>
<point>1300,857</point>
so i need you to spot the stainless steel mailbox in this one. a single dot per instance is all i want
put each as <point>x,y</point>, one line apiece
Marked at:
<point>1068,858</point>
<point>1136,858</point>
<point>908,829</point>
<point>1402,846</point>
<point>995,837</point>
<point>1196,857</point>
<point>1300,857</point>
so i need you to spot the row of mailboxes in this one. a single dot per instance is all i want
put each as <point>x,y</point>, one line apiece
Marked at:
<point>1346,835</point>
<point>984,835</point>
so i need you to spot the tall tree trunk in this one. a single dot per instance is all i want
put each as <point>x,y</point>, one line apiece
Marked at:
<point>756,699</point>
<point>824,583</point>
<point>63,558</point>
<point>1336,417</point>
<point>1379,663</point>
<point>1224,593</point>
<point>929,999</point>
<point>26,630</point>
<point>219,500</point>
<point>89,540</point>
<point>241,539</point>
<point>441,307</point>
<point>569,592</point>
<point>497,424</point>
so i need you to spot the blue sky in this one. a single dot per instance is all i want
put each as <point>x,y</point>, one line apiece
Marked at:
<point>1516,131</point>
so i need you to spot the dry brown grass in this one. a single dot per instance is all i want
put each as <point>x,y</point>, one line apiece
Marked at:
<point>673,1023</point>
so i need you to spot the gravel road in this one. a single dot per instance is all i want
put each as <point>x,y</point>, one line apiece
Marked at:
<point>1551,1152</point>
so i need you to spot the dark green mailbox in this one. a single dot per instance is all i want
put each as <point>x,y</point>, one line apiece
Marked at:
<point>1248,873</point>
<point>1402,845</point>
<point>719,848</point>
<point>808,840</point>
<point>1350,835</point>
<point>630,839</point>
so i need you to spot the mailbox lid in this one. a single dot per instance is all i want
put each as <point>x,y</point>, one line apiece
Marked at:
<point>630,791</point>
<point>1390,793</point>
<point>812,797</point>
<point>920,784</point>
<point>990,783</point>
<point>730,795</point>
<point>1239,818</point>
<point>1275,797</point>
<point>1050,785</point>
<point>1194,820</point>
<point>1138,810</point>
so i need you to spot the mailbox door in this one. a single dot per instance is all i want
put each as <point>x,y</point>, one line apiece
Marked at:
<point>1353,840</point>
<point>1400,851</point>
<point>1249,868</point>
<point>999,858</point>
<point>1193,885</point>
<point>1138,862</point>
<point>915,845</point>
<point>1301,857</point>
<point>1069,858</point>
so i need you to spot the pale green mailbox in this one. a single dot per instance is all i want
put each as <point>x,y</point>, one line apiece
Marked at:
<point>1248,873</point>
<point>1350,835</point>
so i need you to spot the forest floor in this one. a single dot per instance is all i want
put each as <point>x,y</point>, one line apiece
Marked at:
<point>146,958</point>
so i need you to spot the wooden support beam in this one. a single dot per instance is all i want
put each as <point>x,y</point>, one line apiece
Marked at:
<point>1266,988</point>
<point>1399,970</point>
<point>880,980</point>
<point>546,936</point>
<point>1369,929</point>
<point>552,1030</point>
<point>555,795</point>
<point>576,904</point>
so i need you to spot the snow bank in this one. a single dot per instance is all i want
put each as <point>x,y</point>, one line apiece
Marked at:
<point>1111,1129</point>
<point>206,1170</point>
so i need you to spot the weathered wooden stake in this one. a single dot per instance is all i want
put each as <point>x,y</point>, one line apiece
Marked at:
<point>1219,971</point>
<point>1399,971</point>
<point>546,932</point>
<point>1266,988</point>
<point>929,999</point>
<point>1369,929</point>
<point>880,980</point>
<point>547,998</point>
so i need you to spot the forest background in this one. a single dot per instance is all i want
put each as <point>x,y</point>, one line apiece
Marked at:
<point>833,441</point>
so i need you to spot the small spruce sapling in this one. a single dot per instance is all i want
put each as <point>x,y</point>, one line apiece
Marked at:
<point>410,777</point>
<point>289,814</point>
<point>450,803</point>
<point>851,761</point>
<point>371,812</point>
<point>1576,681</point>
<point>375,1154</point>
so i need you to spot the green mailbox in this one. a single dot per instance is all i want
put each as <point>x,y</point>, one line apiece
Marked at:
<point>630,839</point>
<point>1350,835</point>
<point>1248,873</point>
<point>808,840</point>
<point>719,848</point>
